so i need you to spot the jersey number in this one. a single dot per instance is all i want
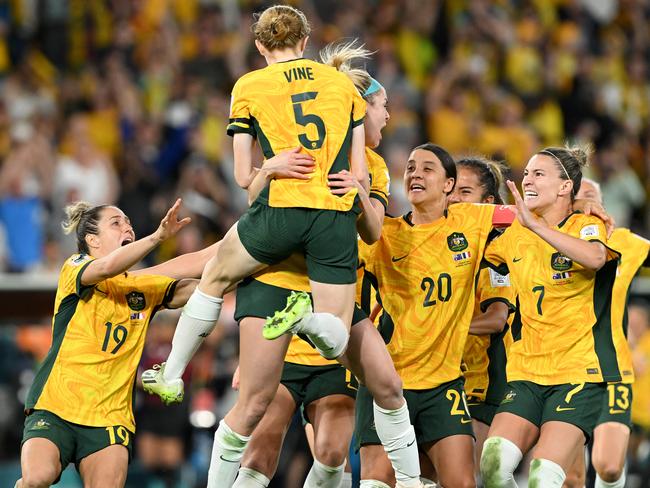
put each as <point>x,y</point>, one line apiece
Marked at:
<point>118,333</point>
<point>121,432</point>
<point>444,289</point>
<point>306,119</point>
<point>539,289</point>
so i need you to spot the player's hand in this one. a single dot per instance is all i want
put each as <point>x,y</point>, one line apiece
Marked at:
<point>235,379</point>
<point>290,164</point>
<point>592,207</point>
<point>170,225</point>
<point>342,182</point>
<point>524,215</point>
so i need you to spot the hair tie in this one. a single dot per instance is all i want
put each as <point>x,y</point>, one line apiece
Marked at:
<point>558,160</point>
<point>374,87</point>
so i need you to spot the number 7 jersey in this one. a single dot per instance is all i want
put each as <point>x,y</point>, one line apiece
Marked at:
<point>300,103</point>
<point>88,375</point>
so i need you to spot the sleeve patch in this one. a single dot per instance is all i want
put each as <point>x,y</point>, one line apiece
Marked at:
<point>589,231</point>
<point>79,259</point>
<point>498,280</point>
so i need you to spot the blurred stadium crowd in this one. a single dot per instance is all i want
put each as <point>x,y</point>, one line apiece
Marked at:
<point>126,102</point>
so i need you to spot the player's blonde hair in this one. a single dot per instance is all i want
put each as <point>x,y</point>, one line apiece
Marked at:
<point>280,26</point>
<point>82,218</point>
<point>340,55</point>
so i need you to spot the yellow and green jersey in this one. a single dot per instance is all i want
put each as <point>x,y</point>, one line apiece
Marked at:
<point>634,252</point>
<point>641,397</point>
<point>561,330</point>
<point>425,277</point>
<point>484,357</point>
<point>300,103</point>
<point>292,272</point>
<point>88,376</point>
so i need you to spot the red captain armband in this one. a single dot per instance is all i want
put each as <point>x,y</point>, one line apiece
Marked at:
<point>503,215</point>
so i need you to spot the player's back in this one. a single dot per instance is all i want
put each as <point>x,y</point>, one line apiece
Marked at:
<point>300,103</point>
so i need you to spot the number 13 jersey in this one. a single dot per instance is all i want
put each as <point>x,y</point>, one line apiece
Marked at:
<point>300,103</point>
<point>88,375</point>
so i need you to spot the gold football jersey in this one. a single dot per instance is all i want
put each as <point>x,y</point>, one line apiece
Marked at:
<point>425,277</point>
<point>561,330</point>
<point>88,376</point>
<point>300,103</point>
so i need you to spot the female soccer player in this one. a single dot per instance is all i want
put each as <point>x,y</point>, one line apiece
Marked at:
<point>320,386</point>
<point>484,357</point>
<point>79,408</point>
<point>291,102</point>
<point>424,267</point>
<point>563,352</point>
<point>612,431</point>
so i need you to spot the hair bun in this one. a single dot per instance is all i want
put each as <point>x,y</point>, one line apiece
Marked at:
<point>279,29</point>
<point>581,154</point>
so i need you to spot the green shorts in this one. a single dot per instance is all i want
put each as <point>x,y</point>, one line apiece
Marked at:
<point>482,411</point>
<point>257,299</point>
<point>327,238</point>
<point>309,383</point>
<point>74,441</point>
<point>576,404</point>
<point>435,413</point>
<point>617,404</point>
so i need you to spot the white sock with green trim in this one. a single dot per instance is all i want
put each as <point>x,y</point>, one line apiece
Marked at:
<point>546,473</point>
<point>249,478</point>
<point>321,475</point>
<point>197,321</point>
<point>227,451</point>
<point>499,460</point>
<point>397,435</point>
<point>619,483</point>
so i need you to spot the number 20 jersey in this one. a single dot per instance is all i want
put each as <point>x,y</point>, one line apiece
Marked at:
<point>425,276</point>
<point>88,375</point>
<point>300,103</point>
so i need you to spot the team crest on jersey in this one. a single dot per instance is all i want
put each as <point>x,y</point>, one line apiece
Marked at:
<point>136,301</point>
<point>457,241</point>
<point>559,262</point>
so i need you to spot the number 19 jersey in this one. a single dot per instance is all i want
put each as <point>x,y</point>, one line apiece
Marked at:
<point>300,103</point>
<point>88,376</point>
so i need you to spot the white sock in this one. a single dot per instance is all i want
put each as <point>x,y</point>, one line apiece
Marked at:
<point>398,438</point>
<point>546,473</point>
<point>227,451</point>
<point>249,478</point>
<point>321,475</point>
<point>427,481</point>
<point>326,331</point>
<point>346,480</point>
<point>499,460</point>
<point>372,484</point>
<point>619,483</point>
<point>198,319</point>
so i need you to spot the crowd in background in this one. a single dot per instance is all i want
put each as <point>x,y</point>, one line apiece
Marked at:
<point>126,101</point>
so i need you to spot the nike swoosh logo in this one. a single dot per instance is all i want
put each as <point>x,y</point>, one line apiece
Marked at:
<point>463,421</point>
<point>410,443</point>
<point>563,409</point>
<point>394,259</point>
<point>516,260</point>
<point>227,460</point>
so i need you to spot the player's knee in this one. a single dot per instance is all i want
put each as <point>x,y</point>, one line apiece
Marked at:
<point>42,477</point>
<point>499,460</point>
<point>458,480</point>
<point>390,391</point>
<point>574,480</point>
<point>609,470</point>
<point>329,450</point>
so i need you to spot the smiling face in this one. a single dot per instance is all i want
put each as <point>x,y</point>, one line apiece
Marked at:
<point>376,118</point>
<point>425,178</point>
<point>542,185</point>
<point>113,231</point>
<point>469,188</point>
